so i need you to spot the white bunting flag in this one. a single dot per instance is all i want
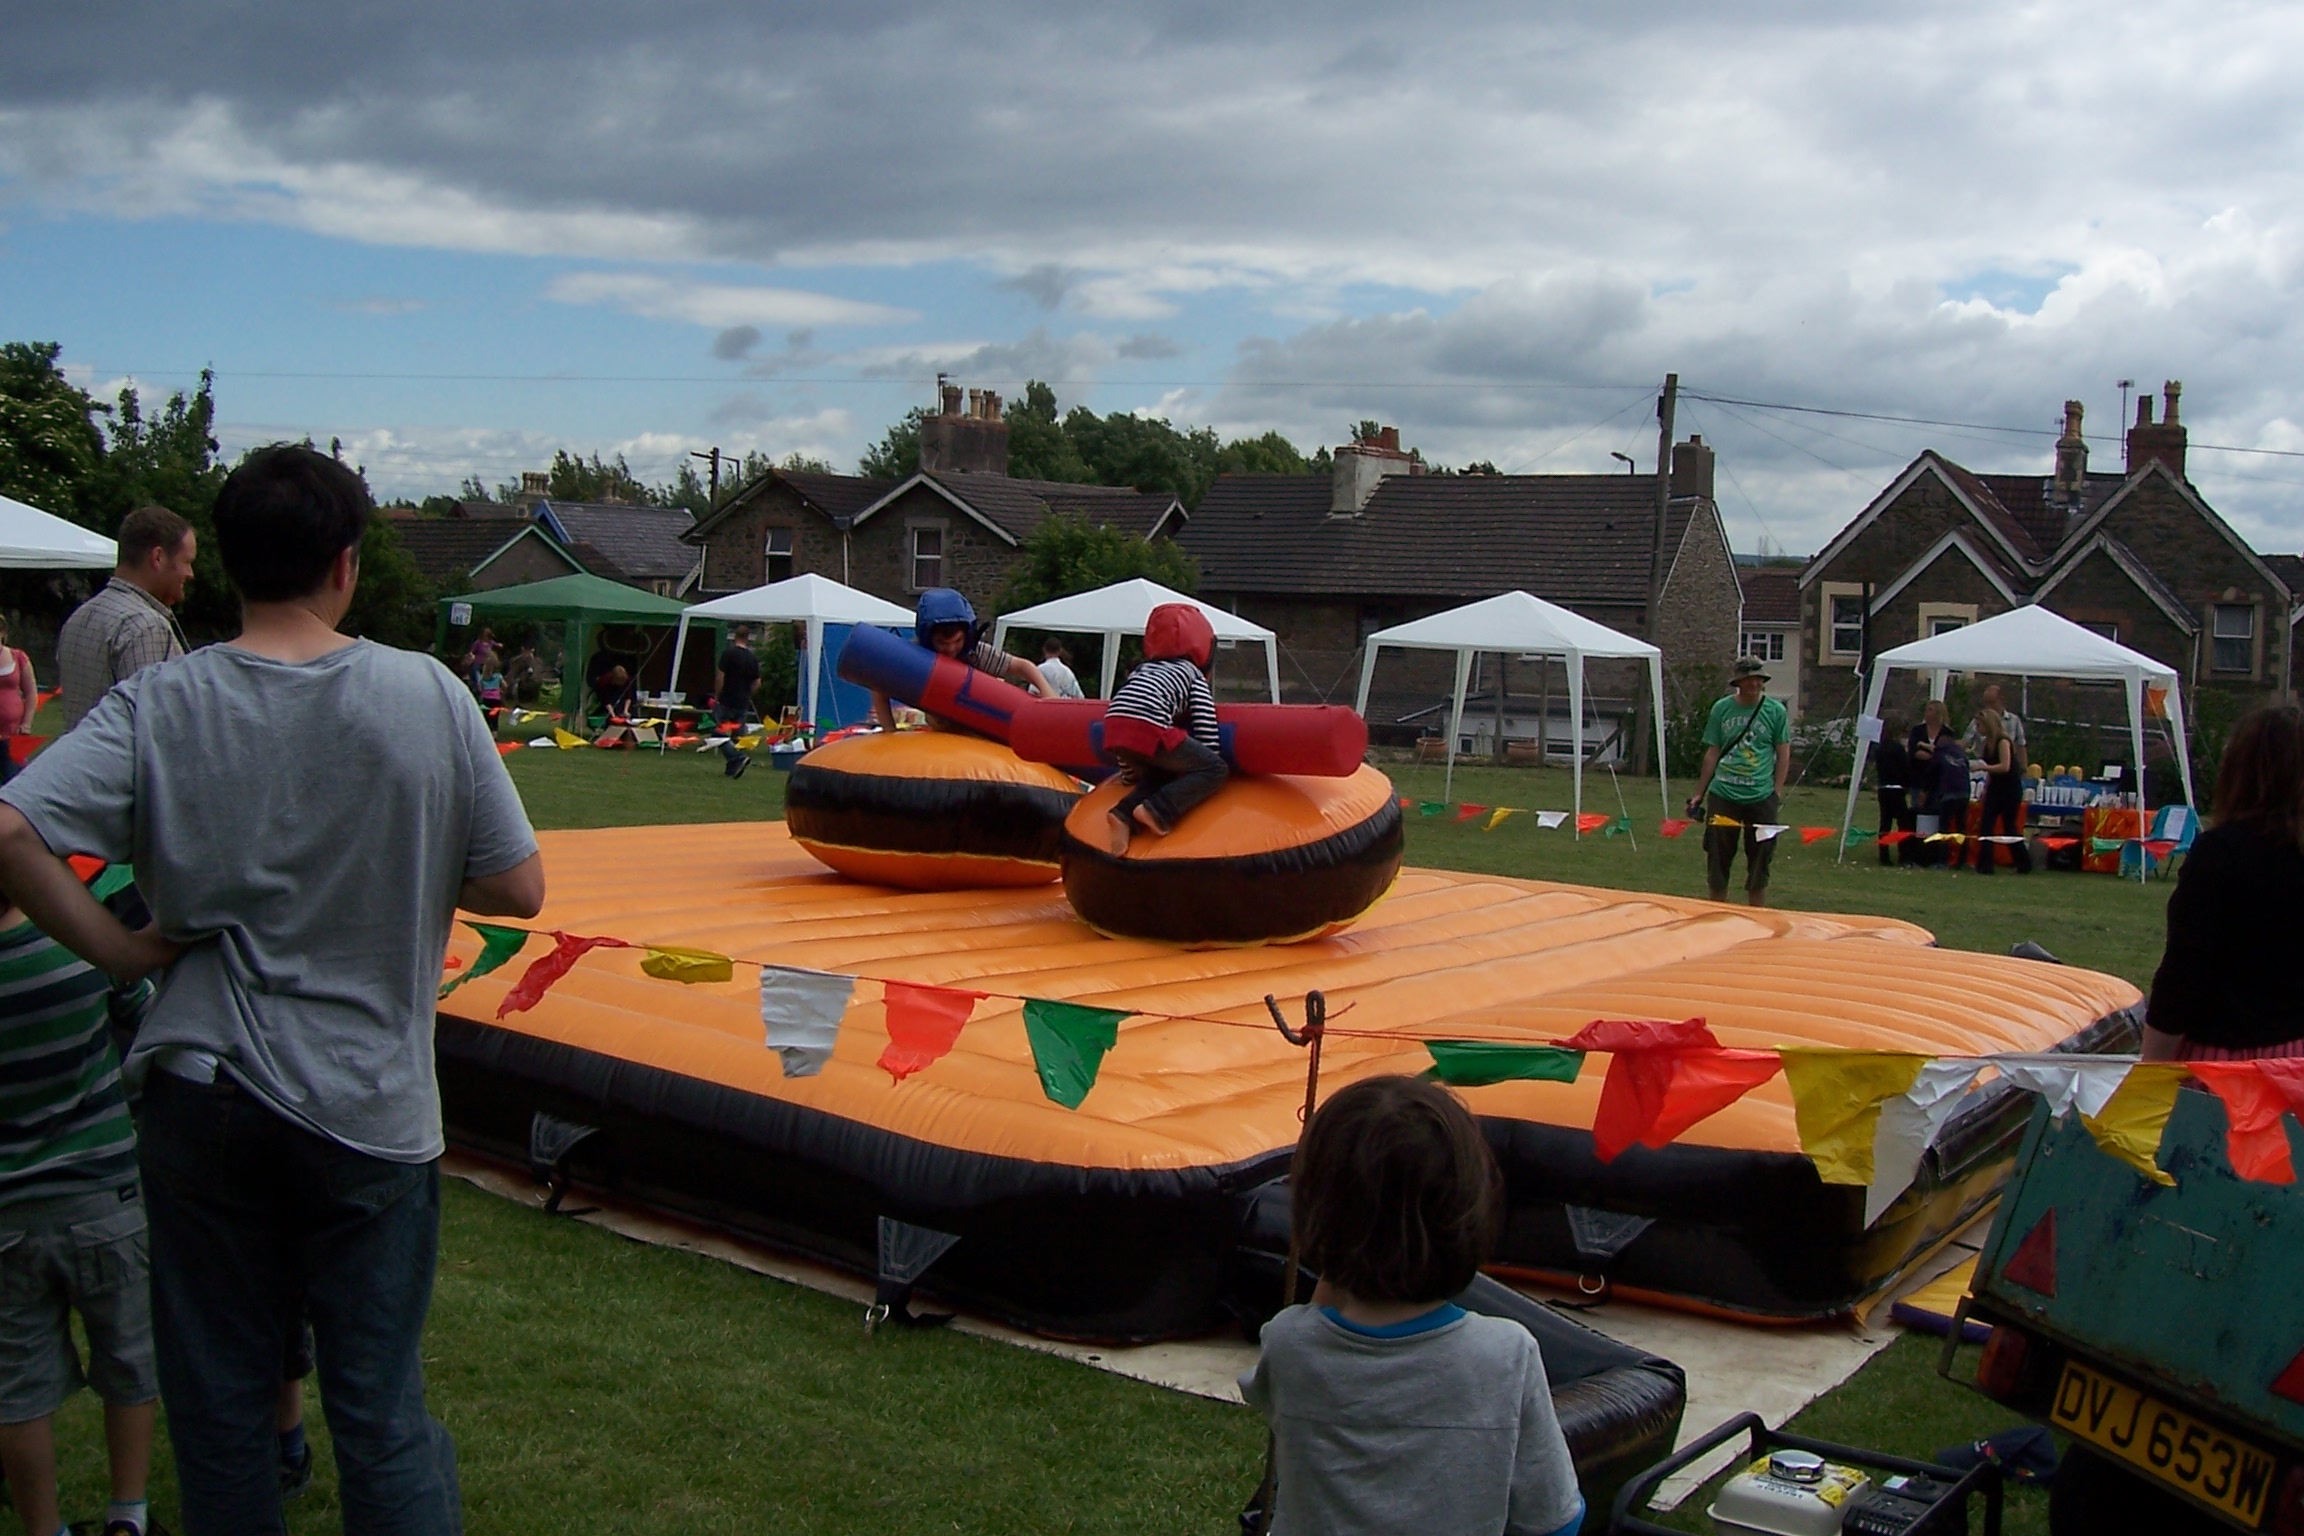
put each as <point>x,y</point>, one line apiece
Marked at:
<point>2086,1084</point>
<point>801,1012</point>
<point>1550,819</point>
<point>1767,831</point>
<point>1908,1125</point>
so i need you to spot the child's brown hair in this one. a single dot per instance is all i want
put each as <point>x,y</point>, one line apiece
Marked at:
<point>1396,1195</point>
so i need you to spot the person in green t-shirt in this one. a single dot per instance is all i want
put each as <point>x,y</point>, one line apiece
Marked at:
<point>1747,754</point>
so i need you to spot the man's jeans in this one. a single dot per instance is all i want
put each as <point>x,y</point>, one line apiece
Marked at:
<point>252,1219</point>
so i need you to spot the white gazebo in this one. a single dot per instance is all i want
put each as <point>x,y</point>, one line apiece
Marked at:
<point>1122,609</point>
<point>33,540</point>
<point>2028,642</point>
<point>811,600</point>
<point>1517,624</point>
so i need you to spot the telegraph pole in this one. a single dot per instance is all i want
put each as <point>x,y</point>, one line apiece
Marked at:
<point>1665,405</point>
<point>714,457</point>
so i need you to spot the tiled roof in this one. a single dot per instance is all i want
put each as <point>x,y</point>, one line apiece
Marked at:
<point>2025,499</point>
<point>1019,506</point>
<point>836,495</point>
<point>443,547</point>
<point>2290,570</point>
<point>1565,538</point>
<point>643,543</point>
<point>1771,596</point>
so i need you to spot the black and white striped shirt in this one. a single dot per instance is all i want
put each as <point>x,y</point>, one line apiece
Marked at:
<point>1170,692</point>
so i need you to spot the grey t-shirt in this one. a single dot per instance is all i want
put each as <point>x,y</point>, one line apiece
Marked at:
<point>1445,1432</point>
<point>306,828</point>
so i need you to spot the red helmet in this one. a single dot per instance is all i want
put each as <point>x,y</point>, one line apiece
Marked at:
<point>1179,630</point>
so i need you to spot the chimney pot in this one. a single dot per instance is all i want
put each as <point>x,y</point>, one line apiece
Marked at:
<point>1389,437</point>
<point>2164,442</point>
<point>2174,390</point>
<point>2144,410</point>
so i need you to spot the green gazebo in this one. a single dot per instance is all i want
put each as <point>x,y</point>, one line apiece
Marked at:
<point>582,604</point>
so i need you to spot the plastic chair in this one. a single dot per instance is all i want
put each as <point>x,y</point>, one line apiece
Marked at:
<point>2170,837</point>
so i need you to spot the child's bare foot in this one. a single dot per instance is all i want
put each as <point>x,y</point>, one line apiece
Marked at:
<point>1150,822</point>
<point>1117,832</point>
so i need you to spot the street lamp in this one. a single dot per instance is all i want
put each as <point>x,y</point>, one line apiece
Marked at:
<point>1630,468</point>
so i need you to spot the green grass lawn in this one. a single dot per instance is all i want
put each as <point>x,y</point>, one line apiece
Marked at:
<point>598,1385</point>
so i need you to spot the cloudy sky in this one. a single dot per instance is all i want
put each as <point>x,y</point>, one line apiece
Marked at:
<point>460,235</point>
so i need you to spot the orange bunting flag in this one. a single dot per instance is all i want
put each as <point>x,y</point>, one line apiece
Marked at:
<point>1814,834</point>
<point>2255,1095</point>
<point>1673,826</point>
<point>538,979</point>
<point>1467,811</point>
<point>1591,821</point>
<point>923,1024</point>
<point>1663,1077</point>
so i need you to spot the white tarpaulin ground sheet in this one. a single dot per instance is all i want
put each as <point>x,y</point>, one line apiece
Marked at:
<point>1731,1368</point>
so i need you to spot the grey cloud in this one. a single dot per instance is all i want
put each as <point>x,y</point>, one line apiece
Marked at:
<point>735,342</point>
<point>1044,284</point>
<point>1147,348</point>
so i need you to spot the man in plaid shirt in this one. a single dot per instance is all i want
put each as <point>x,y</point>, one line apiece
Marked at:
<point>127,626</point>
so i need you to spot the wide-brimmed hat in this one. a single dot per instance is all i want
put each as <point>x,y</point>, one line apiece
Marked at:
<point>1748,666</point>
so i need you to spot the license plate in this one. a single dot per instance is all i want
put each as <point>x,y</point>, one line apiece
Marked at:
<point>2218,1469</point>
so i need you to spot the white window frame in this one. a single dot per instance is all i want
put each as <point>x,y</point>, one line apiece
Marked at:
<point>2217,638</point>
<point>916,557</point>
<point>1767,644</point>
<point>770,554</point>
<point>1827,632</point>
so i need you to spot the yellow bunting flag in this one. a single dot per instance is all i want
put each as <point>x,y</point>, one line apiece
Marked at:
<point>668,962</point>
<point>1724,821</point>
<point>1836,1099</point>
<point>1496,817</point>
<point>2131,1121</point>
<point>567,740</point>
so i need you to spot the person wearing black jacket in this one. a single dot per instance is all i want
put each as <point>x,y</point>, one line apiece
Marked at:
<point>2229,987</point>
<point>1893,765</point>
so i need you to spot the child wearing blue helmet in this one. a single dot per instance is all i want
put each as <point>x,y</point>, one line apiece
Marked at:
<point>944,623</point>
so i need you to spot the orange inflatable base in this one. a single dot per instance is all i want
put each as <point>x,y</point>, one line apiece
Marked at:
<point>1122,1219</point>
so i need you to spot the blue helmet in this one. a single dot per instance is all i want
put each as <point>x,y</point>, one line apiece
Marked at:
<point>939,606</point>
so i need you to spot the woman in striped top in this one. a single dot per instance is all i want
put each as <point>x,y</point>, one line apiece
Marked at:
<point>1162,727</point>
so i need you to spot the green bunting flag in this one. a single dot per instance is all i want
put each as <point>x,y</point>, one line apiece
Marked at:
<point>2105,844</point>
<point>1477,1063</point>
<point>1620,825</point>
<point>1068,1045</point>
<point>115,879</point>
<point>1860,834</point>
<point>497,945</point>
<point>1431,807</point>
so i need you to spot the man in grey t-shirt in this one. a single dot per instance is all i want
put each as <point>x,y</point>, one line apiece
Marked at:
<point>305,813</point>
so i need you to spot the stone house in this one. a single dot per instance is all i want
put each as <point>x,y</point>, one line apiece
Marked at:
<point>1771,629</point>
<point>1326,560</point>
<point>490,544</point>
<point>2137,556</point>
<point>480,554</point>
<point>961,521</point>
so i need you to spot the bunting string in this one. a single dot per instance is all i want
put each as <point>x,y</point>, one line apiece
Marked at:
<point>1865,1118</point>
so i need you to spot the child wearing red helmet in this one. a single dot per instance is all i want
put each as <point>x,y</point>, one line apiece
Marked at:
<point>1162,727</point>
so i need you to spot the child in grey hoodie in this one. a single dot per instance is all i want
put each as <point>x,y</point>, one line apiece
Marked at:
<point>1392,1408</point>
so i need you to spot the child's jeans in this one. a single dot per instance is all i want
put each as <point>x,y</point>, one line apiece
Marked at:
<point>1171,783</point>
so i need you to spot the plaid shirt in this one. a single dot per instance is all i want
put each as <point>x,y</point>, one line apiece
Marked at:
<point>117,633</point>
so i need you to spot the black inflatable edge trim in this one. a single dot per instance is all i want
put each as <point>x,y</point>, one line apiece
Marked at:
<point>1194,899</point>
<point>890,813</point>
<point>924,1175</point>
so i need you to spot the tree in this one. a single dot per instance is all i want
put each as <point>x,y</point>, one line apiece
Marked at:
<point>1068,554</point>
<point>168,459</point>
<point>897,455</point>
<point>596,479</point>
<point>1039,446</point>
<point>393,604</point>
<point>1271,454</point>
<point>49,444</point>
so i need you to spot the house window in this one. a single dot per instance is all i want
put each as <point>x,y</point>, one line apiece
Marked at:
<point>1767,644</point>
<point>779,554</point>
<point>2108,628</point>
<point>2233,634</point>
<point>1943,618</point>
<point>1847,617</point>
<point>927,558</point>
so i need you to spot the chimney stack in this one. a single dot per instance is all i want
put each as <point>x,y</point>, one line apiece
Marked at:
<point>2071,459</point>
<point>1692,468</point>
<point>535,486</point>
<point>973,441</point>
<point>1360,467</point>
<point>2164,442</point>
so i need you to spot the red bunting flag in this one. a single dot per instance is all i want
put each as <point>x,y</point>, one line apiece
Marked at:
<point>2059,843</point>
<point>1591,821</point>
<point>1407,804</point>
<point>1467,811</point>
<point>1673,826</point>
<point>923,1024</point>
<point>1663,1077</point>
<point>1890,839</point>
<point>1814,834</point>
<point>567,949</point>
<point>2255,1094</point>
